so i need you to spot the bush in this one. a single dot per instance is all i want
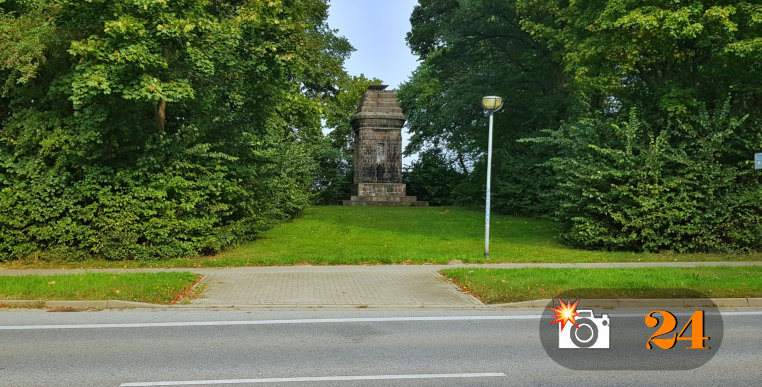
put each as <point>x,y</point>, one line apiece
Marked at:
<point>627,185</point>
<point>144,130</point>
<point>431,178</point>
<point>197,201</point>
<point>334,175</point>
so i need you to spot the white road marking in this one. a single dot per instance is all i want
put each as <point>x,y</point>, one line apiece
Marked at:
<point>739,313</point>
<point>316,379</point>
<point>305,321</point>
<point>267,322</point>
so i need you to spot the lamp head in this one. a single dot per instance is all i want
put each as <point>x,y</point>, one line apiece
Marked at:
<point>492,102</point>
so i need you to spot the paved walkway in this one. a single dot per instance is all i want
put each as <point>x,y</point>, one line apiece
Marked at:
<point>340,286</point>
<point>330,286</point>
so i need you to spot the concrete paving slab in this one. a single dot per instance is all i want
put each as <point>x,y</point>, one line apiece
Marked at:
<point>120,304</point>
<point>601,303</point>
<point>22,304</point>
<point>730,302</point>
<point>77,304</point>
<point>755,302</point>
<point>646,302</point>
<point>698,302</point>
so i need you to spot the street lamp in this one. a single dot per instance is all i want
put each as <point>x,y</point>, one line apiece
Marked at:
<point>492,104</point>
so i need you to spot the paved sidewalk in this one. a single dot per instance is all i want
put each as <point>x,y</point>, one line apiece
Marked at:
<point>403,286</point>
<point>327,286</point>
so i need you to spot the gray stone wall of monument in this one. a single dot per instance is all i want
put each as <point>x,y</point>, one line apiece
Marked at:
<point>378,151</point>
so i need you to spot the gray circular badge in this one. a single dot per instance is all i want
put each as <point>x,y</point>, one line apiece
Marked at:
<point>679,333</point>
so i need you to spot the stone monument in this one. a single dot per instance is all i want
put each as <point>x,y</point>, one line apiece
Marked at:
<point>378,151</point>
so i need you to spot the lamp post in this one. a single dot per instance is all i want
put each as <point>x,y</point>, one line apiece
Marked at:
<point>492,104</point>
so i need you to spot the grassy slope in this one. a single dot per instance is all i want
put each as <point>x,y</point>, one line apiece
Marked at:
<point>511,285</point>
<point>159,288</point>
<point>351,235</point>
<point>372,235</point>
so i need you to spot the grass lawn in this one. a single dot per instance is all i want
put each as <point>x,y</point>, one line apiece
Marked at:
<point>376,235</point>
<point>157,288</point>
<point>513,285</point>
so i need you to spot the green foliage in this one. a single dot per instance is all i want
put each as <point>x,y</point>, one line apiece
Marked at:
<point>149,129</point>
<point>23,41</point>
<point>525,284</point>
<point>335,153</point>
<point>159,288</point>
<point>333,174</point>
<point>471,49</point>
<point>656,154</point>
<point>670,54</point>
<point>627,185</point>
<point>334,235</point>
<point>651,111</point>
<point>432,178</point>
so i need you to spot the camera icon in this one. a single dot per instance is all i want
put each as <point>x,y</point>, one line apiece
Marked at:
<point>590,331</point>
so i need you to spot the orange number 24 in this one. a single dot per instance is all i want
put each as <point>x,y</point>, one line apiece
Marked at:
<point>669,324</point>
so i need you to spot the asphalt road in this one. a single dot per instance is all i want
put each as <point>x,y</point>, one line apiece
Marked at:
<point>322,347</point>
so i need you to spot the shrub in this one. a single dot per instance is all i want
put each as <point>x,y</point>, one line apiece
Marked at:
<point>628,185</point>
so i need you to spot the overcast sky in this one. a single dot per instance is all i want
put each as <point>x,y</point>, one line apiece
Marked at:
<point>376,29</point>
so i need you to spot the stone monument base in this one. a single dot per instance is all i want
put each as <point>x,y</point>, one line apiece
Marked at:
<point>382,194</point>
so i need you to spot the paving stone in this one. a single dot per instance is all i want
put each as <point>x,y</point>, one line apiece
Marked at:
<point>324,287</point>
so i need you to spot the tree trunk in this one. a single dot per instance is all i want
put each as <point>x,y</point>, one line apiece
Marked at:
<point>161,115</point>
<point>161,109</point>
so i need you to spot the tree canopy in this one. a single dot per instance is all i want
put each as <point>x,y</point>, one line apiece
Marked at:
<point>335,172</point>
<point>471,49</point>
<point>635,120</point>
<point>152,128</point>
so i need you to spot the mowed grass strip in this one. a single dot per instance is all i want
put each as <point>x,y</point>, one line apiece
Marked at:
<point>417,235</point>
<point>156,288</point>
<point>336,235</point>
<point>513,285</point>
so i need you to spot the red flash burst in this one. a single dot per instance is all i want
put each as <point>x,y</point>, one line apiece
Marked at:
<point>565,313</point>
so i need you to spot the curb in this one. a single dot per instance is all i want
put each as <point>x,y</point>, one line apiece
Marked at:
<point>119,304</point>
<point>326,306</point>
<point>607,303</point>
<point>644,302</point>
<point>79,305</point>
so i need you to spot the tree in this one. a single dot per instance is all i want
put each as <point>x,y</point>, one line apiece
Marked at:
<point>335,173</point>
<point>649,111</point>
<point>656,153</point>
<point>146,128</point>
<point>433,179</point>
<point>471,49</point>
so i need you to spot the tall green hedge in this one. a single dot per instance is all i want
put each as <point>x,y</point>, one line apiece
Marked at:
<point>149,129</point>
<point>627,185</point>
